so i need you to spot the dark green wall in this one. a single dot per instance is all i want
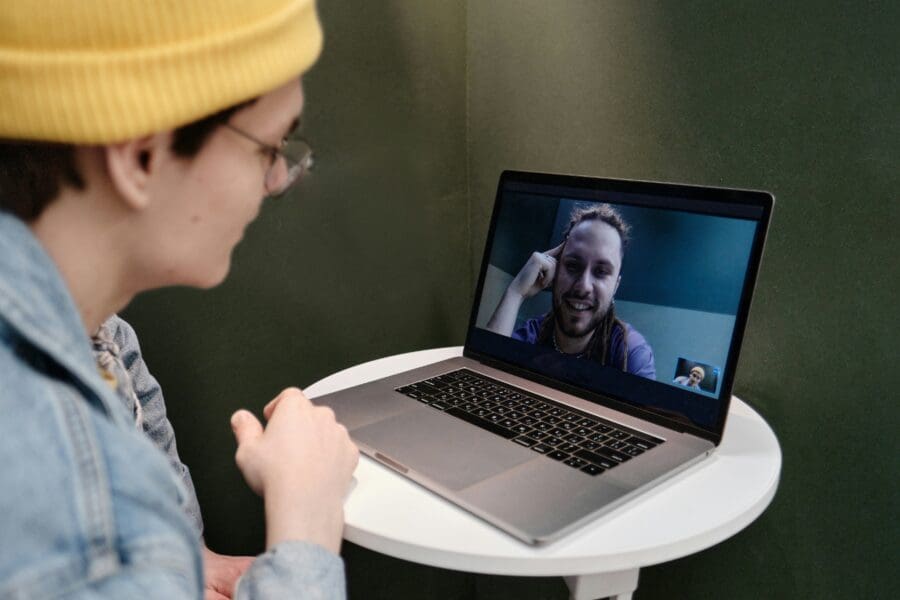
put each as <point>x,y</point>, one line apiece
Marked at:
<point>799,98</point>
<point>414,110</point>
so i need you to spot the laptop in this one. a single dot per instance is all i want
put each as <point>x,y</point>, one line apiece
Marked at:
<point>599,357</point>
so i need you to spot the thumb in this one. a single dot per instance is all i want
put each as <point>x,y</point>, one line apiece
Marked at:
<point>246,426</point>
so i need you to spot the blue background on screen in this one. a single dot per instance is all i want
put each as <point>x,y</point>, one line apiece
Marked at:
<point>682,275</point>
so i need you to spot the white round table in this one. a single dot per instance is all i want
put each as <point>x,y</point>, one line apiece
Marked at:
<point>696,509</point>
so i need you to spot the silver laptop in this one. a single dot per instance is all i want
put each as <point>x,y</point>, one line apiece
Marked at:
<point>599,358</point>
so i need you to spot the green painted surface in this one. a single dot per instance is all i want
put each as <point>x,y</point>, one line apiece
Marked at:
<point>799,98</point>
<point>415,108</point>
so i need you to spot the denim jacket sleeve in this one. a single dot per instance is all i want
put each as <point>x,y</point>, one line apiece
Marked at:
<point>294,570</point>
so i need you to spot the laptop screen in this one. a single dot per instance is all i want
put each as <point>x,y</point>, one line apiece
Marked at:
<point>634,291</point>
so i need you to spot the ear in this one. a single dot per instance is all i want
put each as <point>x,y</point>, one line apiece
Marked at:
<point>132,165</point>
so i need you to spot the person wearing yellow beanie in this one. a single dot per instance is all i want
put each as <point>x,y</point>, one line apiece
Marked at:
<point>137,141</point>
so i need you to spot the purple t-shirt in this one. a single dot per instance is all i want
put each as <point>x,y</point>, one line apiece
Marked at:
<point>640,354</point>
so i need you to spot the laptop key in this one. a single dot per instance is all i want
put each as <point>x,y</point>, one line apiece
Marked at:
<point>484,424</point>
<point>553,440</point>
<point>592,469</point>
<point>616,456</point>
<point>542,448</point>
<point>593,457</point>
<point>641,443</point>
<point>525,441</point>
<point>439,405</point>
<point>567,447</point>
<point>557,455</point>
<point>575,462</point>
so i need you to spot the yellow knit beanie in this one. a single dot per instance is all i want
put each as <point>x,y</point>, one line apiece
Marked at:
<point>100,71</point>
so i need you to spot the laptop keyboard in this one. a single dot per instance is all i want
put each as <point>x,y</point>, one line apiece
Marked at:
<point>577,439</point>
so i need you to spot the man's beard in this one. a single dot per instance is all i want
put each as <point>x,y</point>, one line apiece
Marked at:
<point>573,330</point>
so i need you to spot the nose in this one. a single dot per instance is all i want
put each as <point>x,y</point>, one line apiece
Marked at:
<point>277,175</point>
<point>582,284</point>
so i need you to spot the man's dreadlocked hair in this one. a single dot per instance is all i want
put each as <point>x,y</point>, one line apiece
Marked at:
<point>598,347</point>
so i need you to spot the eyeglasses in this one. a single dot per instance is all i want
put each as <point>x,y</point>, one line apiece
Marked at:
<point>298,159</point>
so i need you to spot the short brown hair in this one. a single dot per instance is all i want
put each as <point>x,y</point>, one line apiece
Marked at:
<point>601,212</point>
<point>33,173</point>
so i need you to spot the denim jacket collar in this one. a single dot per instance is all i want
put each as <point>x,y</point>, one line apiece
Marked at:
<point>36,304</point>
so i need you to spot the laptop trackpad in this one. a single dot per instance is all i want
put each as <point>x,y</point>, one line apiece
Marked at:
<point>442,448</point>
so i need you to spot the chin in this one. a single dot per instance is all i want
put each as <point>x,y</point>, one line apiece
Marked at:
<point>211,278</point>
<point>215,281</point>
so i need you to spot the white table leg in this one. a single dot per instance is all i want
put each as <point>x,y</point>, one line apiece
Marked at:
<point>618,586</point>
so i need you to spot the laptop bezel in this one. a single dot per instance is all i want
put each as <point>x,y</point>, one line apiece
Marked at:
<point>754,198</point>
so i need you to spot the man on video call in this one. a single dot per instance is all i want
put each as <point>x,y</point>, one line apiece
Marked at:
<point>584,272</point>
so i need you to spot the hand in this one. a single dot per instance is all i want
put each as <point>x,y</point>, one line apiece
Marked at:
<point>537,274</point>
<point>301,464</point>
<point>221,573</point>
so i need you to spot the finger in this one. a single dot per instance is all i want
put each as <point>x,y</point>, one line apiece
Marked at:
<point>246,426</point>
<point>548,272</point>
<point>555,252</point>
<point>210,594</point>
<point>286,393</point>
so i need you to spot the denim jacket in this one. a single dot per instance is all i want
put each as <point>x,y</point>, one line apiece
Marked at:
<point>89,508</point>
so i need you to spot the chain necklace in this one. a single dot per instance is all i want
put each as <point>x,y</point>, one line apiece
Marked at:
<point>558,349</point>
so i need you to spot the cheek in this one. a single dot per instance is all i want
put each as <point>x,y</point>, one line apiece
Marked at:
<point>566,279</point>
